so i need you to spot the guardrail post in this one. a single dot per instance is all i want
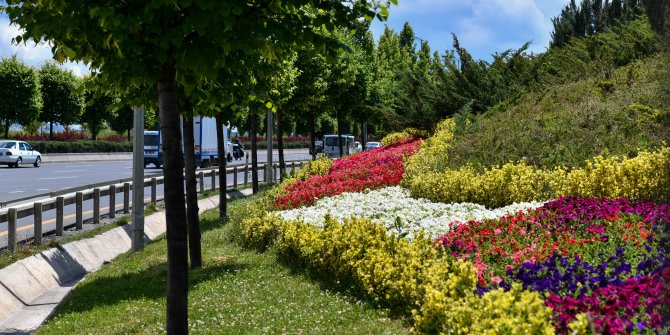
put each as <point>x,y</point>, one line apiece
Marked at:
<point>235,177</point>
<point>126,198</point>
<point>153,190</point>
<point>213,180</point>
<point>201,180</point>
<point>96,205</point>
<point>246,172</point>
<point>112,201</point>
<point>293,167</point>
<point>11,229</point>
<point>277,171</point>
<point>60,203</point>
<point>79,199</point>
<point>37,226</point>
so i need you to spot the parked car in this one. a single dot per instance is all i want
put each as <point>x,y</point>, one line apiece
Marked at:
<point>372,145</point>
<point>17,153</point>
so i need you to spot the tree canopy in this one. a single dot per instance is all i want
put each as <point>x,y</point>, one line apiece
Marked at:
<point>20,98</point>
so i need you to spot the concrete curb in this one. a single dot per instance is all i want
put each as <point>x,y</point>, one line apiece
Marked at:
<point>32,288</point>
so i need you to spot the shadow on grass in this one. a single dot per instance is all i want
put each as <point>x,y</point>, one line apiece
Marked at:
<point>149,283</point>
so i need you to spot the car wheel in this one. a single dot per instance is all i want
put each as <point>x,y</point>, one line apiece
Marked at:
<point>38,162</point>
<point>18,163</point>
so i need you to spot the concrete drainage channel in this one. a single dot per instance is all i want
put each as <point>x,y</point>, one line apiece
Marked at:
<point>32,288</point>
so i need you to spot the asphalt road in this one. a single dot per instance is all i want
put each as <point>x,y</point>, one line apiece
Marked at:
<point>29,181</point>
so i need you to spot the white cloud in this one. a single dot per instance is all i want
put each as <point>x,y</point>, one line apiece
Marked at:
<point>31,53</point>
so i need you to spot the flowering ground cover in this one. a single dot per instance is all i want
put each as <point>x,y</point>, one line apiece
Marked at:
<point>368,170</point>
<point>568,266</point>
<point>605,258</point>
<point>400,213</point>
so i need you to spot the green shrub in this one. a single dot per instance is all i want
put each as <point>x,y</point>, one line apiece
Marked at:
<point>52,147</point>
<point>646,176</point>
<point>568,124</point>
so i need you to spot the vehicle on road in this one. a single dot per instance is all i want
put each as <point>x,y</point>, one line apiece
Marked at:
<point>372,145</point>
<point>17,153</point>
<point>205,145</point>
<point>318,148</point>
<point>331,145</point>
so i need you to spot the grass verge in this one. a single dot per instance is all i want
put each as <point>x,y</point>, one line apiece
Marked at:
<point>236,292</point>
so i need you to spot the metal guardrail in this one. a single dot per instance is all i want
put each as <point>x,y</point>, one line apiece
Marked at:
<point>58,200</point>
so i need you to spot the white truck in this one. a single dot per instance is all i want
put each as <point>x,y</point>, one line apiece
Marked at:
<point>331,147</point>
<point>205,146</point>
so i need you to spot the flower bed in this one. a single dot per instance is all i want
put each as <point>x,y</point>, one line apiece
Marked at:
<point>580,252</point>
<point>368,170</point>
<point>398,211</point>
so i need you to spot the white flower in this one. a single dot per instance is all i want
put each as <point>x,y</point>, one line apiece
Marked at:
<point>398,211</point>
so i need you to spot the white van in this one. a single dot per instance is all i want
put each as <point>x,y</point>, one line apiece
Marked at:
<point>331,146</point>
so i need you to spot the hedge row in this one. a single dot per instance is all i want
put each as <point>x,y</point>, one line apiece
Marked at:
<point>54,147</point>
<point>287,145</point>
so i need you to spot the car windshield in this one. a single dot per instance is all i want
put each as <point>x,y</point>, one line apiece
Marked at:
<point>7,145</point>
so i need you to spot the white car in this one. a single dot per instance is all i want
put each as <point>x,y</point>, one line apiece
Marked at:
<point>16,153</point>
<point>372,145</point>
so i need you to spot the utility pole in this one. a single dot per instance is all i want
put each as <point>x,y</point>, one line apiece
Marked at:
<point>268,166</point>
<point>138,181</point>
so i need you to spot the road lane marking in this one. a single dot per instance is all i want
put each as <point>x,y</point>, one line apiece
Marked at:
<point>42,189</point>
<point>68,171</point>
<point>54,178</point>
<point>75,166</point>
<point>52,221</point>
<point>12,192</point>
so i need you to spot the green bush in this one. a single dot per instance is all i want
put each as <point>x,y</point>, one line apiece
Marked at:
<point>53,147</point>
<point>646,176</point>
<point>568,124</point>
<point>287,145</point>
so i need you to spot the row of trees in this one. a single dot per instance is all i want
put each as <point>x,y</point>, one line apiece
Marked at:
<point>53,95</point>
<point>591,17</point>
<point>213,58</point>
<point>236,60</point>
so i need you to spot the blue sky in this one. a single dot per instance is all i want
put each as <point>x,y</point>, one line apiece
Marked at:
<point>483,27</point>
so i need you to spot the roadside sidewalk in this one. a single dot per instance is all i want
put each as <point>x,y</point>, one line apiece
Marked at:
<point>32,288</point>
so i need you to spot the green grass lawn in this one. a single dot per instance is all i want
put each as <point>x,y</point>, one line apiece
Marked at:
<point>236,292</point>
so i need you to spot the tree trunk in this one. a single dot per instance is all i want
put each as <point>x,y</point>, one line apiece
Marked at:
<point>128,135</point>
<point>312,136</point>
<point>364,134</point>
<point>280,144</point>
<point>253,119</point>
<point>339,136</point>
<point>175,212</point>
<point>221,148</point>
<point>51,131</point>
<point>192,217</point>
<point>94,133</point>
<point>7,128</point>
